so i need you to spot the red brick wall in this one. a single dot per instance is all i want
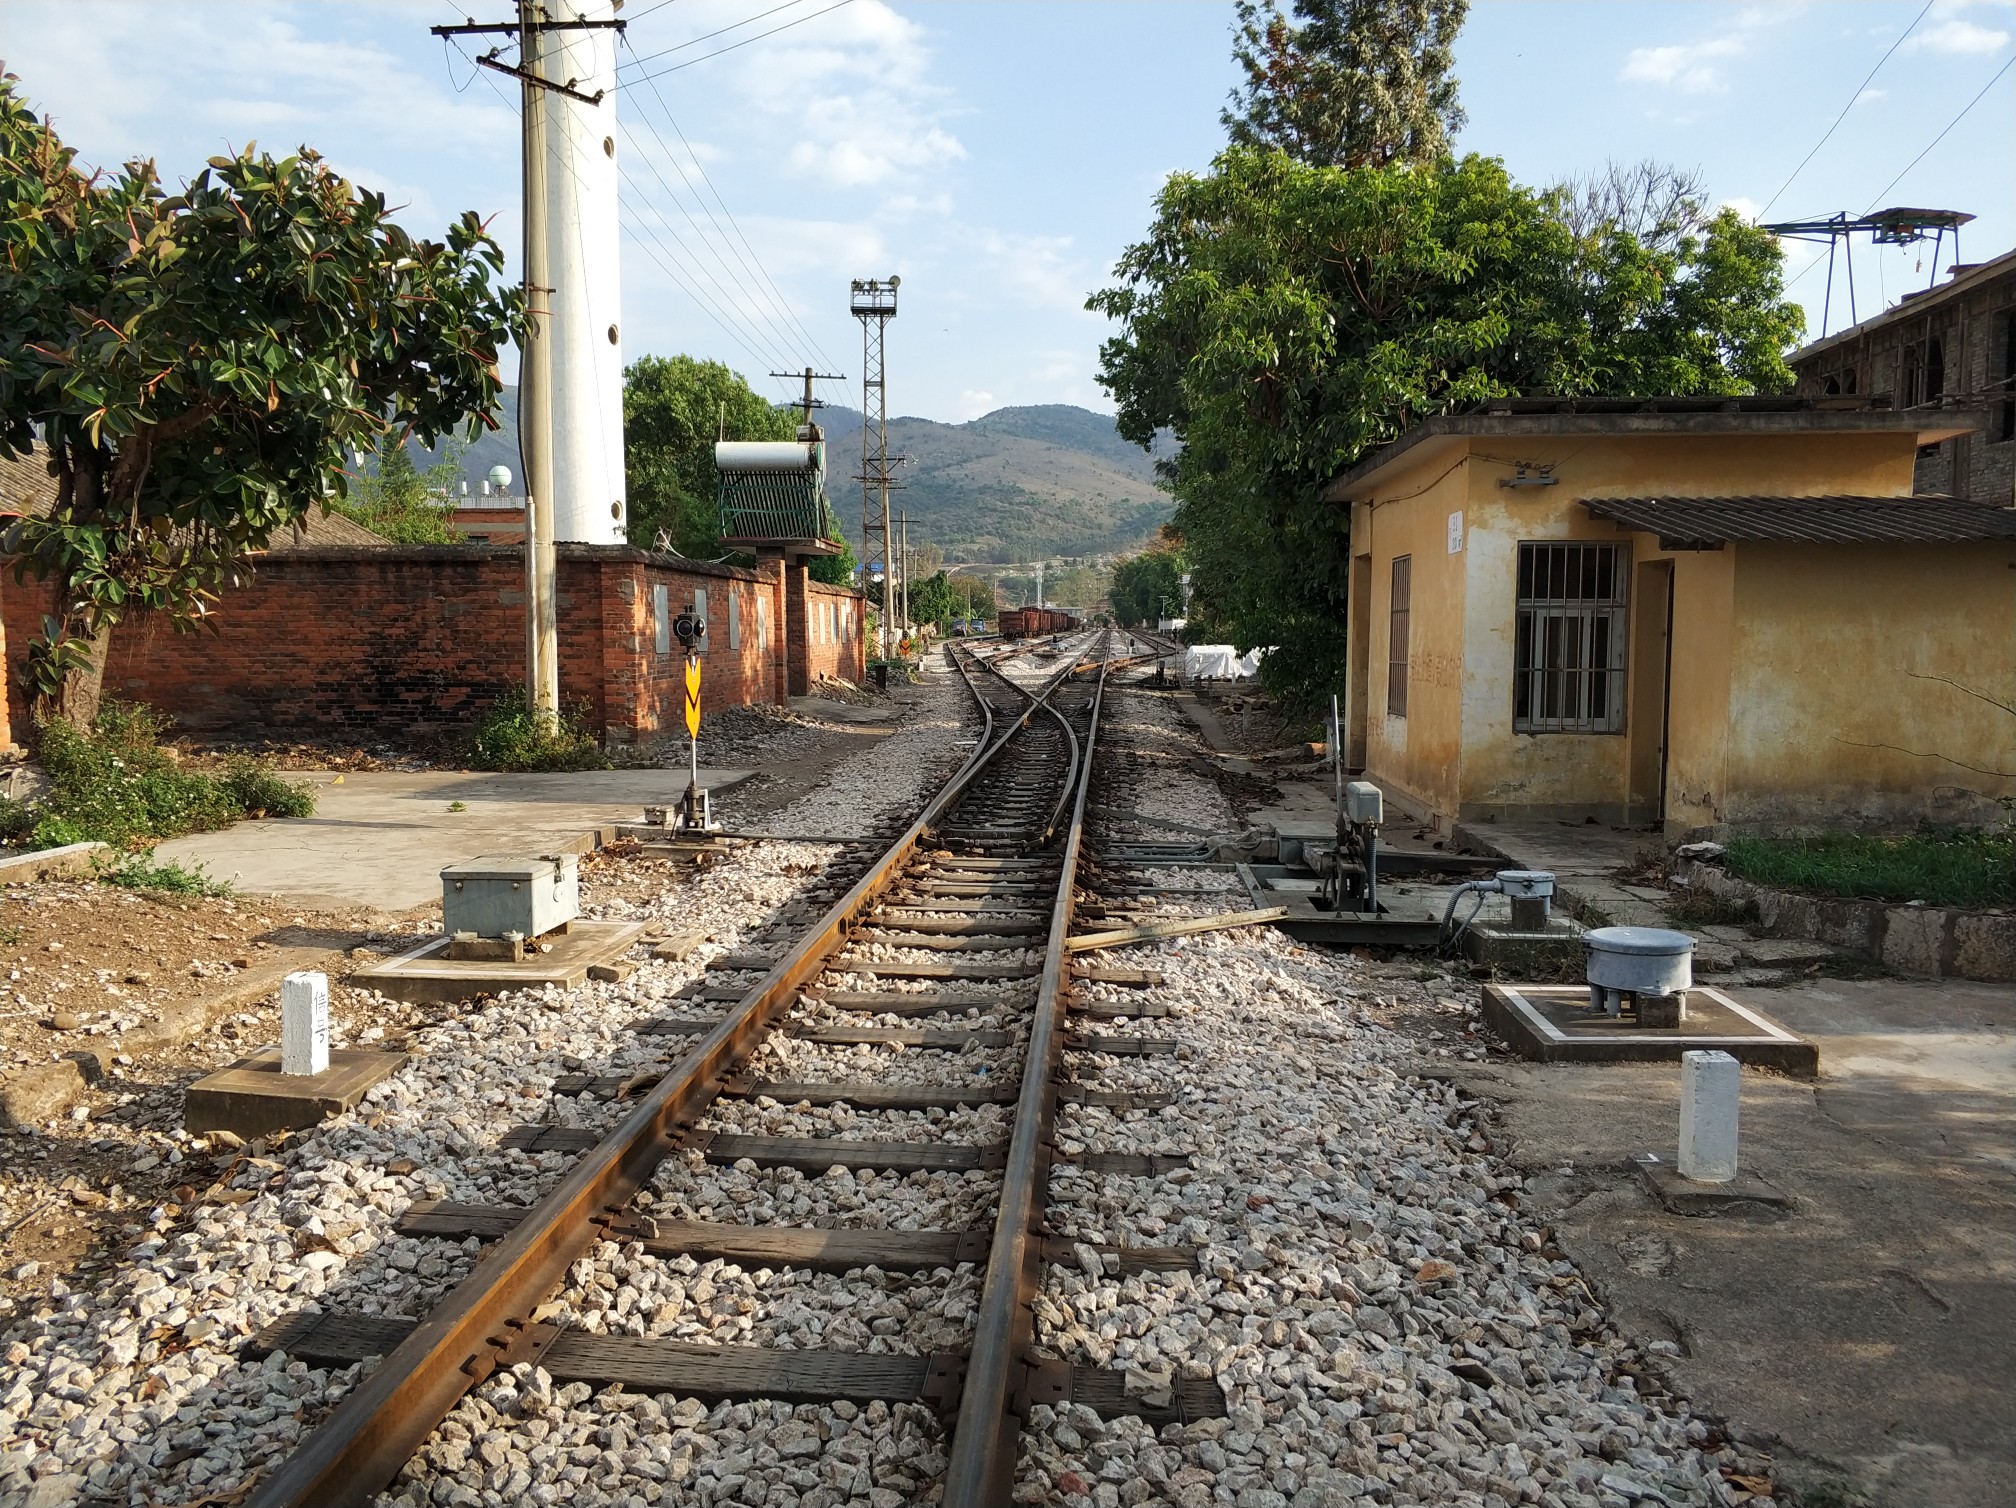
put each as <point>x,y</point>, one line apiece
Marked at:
<point>383,643</point>
<point>838,633</point>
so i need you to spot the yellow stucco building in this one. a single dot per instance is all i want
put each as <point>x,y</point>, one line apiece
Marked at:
<point>1683,612</point>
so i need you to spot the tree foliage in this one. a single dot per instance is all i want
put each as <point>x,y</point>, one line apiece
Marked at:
<point>1144,584</point>
<point>1284,318</point>
<point>973,596</point>
<point>198,364</point>
<point>932,600</point>
<point>399,502</point>
<point>674,409</point>
<point>1358,83</point>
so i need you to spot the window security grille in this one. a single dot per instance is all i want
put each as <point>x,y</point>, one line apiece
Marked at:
<point>1398,625</point>
<point>1569,661</point>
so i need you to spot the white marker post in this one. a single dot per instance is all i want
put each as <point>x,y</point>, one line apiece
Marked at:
<point>304,1024</point>
<point>1711,1085</point>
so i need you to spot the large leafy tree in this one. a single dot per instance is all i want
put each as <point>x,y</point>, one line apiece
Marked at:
<point>1283,318</point>
<point>1357,83</point>
<point>674,409</point>
<point>198,365</point>
<point>1143,584</point>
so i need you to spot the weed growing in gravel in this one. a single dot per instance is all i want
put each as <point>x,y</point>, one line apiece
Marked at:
<point>117,785</point>
<point>514,737</point>
<point>141,871</point>
<point>1700,909</point>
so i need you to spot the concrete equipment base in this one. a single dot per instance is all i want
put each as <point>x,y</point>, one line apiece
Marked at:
<point>1553,952</point>
<point>1555,1024</point>
<point>426,975</point>
<point>1746,1193</point>
<point>254,1098</point>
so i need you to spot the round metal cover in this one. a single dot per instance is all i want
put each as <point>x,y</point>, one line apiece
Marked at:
<point>1653,942</point>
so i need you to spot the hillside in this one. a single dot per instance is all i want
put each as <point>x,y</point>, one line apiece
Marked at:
<point>1014,485</point>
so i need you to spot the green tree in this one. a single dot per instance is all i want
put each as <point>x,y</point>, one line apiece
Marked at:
<point>674,409</point>
<point>1283,319</point>
<point>932,600</point>
<point>974,596</point>
<point>396,500</point>
<point>1143,584</point>
<point>197,366</point>
<point>1359,83</point>
<point>834,570</point>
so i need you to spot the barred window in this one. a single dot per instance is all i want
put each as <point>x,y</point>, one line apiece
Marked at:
<point>1397,625</point>
<point>1569,661</point>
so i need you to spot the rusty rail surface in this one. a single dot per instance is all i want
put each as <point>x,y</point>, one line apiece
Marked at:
<point>485,1321</point>
<point>980,1469</point>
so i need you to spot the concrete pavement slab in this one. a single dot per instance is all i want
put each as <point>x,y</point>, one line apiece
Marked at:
<point>380,838</point>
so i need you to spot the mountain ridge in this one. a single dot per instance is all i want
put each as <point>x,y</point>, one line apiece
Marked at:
<point>1019,483</point>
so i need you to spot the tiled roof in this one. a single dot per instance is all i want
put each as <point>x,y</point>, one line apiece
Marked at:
<point>1714,520</point>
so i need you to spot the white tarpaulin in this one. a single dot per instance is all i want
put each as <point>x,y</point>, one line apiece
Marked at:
<point>1212,662</point>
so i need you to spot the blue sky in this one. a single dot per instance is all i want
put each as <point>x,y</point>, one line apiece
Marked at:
<point>999,154</point>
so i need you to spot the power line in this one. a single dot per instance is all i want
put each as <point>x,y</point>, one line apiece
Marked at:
<point>1942,135</point>
<point>667,52</point>
<point>746,340</point>
<point>1845,109</point>
<point>690,62</point>
<point>759,270</point>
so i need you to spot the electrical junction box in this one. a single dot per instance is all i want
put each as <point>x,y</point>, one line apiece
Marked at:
<point>1364,803</point>
<point>496,894</point>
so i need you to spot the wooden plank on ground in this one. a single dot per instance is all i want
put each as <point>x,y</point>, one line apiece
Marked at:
<point>1115,1099</point>
<point>904,1036</point>
<point>815,1154</point>
<point>893,969</point>
<point>975,940</point>
<point>907,1003</point>
<point>1118,1046</point>
<point>1131,1164</point>
<point>549,1138</point>
<point>1133,979</point>
<point>876,1096</point>
<point>1180,927</point>
<point>745,1245</point>
<point>1122,1010</point>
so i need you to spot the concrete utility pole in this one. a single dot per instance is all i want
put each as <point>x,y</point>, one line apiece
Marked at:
<point>873,302</point>
<point>535,389</point>
<point>570,376</point>
<point>906,570</point>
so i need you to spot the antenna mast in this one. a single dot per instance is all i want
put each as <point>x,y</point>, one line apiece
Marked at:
<point>873,302</point>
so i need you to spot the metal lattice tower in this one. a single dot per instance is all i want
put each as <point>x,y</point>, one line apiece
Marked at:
<point>873,302</point>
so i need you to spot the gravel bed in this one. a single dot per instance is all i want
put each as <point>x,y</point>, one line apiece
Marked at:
<point>1386,1325</point>
<point>133,1391</point>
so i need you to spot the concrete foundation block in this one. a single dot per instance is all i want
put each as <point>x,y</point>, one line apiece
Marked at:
<point>1914,939</point>
<point>1984,947</point>
<point>254,1098</point>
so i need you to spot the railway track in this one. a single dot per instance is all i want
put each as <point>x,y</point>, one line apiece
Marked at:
<point>967,914</point>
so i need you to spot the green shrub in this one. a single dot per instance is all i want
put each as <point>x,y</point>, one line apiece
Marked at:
<point>514,737</point>
<point>140,872</point>
<point>117,785</point>
<point>1941,867</point>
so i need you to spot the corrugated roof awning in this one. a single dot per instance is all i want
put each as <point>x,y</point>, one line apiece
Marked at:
<point>1705,522</point>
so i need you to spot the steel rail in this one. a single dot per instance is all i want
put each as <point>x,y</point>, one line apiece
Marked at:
<point>981,1465</point>
<point>377,1427</point>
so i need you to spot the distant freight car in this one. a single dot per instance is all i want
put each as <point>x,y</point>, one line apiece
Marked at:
<point>1034,622</point>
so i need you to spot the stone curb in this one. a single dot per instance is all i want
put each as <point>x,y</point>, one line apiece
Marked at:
<point>1937,942</point>
<point>51,863</point>
<point>32,1095</point>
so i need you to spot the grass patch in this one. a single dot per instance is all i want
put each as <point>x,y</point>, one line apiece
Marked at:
<point>1940,868</point>
<point>117,785</point>
<point>514,737</point>
<point>141,871</point>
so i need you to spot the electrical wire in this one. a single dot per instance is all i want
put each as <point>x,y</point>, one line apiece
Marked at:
<point>1884,191</point>
<point>1844,110</point>
<point>758,270</point>
<point>667,52</point>
<point>691,62</point>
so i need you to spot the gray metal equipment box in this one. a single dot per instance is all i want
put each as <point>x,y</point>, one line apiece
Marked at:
<point>498,893</point>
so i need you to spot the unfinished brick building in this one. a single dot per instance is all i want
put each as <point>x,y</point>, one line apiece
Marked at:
<point>1953,345</point>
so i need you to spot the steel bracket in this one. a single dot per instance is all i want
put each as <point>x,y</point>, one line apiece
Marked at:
<point>522,1340</point>
<point>1041,1379</point>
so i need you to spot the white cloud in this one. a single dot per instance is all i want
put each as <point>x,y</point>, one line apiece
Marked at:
<point>1748,208</point>
<point>972,405</point>
<point>1686,66</point>
<point>1957,36</point>
<point>1872,96</point>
